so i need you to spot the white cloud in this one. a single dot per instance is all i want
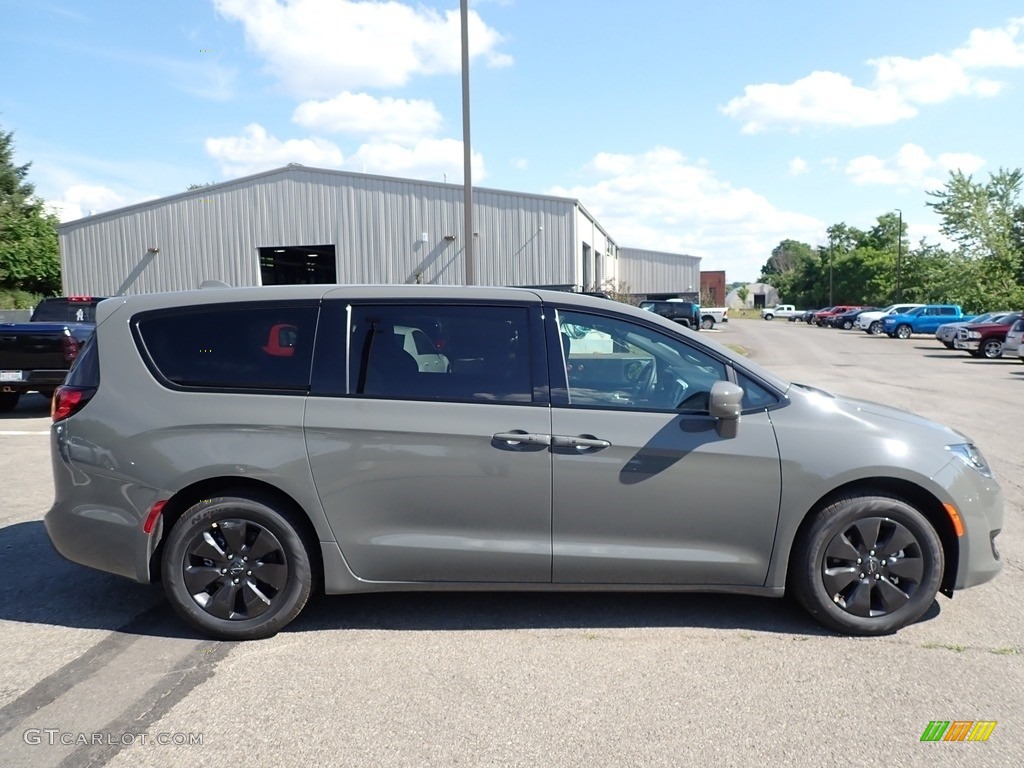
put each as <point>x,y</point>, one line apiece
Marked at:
<point>821,98</point>
<point>390,119</point>
<point>659,200</point>
<point>900,85</point>
<point>81,200</point>
<point>256,151</point>
<point>315,47</point>
<point>910,167</point>
<point>429,159</point>
<point>519,163</point>
<point>797,166</point>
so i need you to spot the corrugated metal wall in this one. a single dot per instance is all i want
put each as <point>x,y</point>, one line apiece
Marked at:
<point>385,230</point>
<point>658,272</point>
<point>376,225</point>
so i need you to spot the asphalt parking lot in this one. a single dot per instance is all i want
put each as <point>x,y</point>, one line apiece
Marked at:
<point>96,671</point>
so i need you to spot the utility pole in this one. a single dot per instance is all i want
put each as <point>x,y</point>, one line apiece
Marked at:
<point>467,155</point>
<point>899,255</point>
<point>830,302</point>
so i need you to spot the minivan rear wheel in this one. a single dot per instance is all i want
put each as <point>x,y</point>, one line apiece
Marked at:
<point>867,565</point>
<point>236,568</point>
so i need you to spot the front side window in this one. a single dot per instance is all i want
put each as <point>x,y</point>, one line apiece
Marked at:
<point>269,346</point>
<point>614,363</point>
<point>441,352</point>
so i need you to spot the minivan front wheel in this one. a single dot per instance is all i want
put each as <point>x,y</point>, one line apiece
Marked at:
<point>235,568</point>
<point>867,565</point>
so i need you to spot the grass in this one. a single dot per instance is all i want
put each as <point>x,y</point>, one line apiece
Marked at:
<point>955,647</point>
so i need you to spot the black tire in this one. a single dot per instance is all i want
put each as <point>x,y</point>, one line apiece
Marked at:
<point>847,325</point>
<point>903,331</point>
<point>769,316</point>
<point>251,605</point>
<point>991,349</point>
<point>842,572</point>
<point>9,401</point>
<point>948,344</point>
<point>707,322</point>
<point>47,393</point>
<point>875,328</point>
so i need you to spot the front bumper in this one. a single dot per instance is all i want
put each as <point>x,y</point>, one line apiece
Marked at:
<point>969,345</point>
<point>979,502</point>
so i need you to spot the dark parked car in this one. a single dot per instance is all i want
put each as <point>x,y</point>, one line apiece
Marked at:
<point>847,320</point>
<point>248,446</point>
<point>986,339</point>
<point>683,312</point>
<point>808,316</point>
<point>36,356</point>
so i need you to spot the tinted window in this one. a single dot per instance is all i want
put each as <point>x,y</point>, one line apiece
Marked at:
<point>85,371</point>
<point>265,347</point>
<point>947,311</point>
<point>63,310</point>
<point>611,362</point>
<point>754,395</point>
<point>459,353</point>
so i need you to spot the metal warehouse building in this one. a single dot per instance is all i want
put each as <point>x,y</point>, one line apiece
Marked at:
<point>659,273</point>
<point>307,225</point>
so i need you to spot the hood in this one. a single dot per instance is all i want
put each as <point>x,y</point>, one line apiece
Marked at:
<point>901,421</point>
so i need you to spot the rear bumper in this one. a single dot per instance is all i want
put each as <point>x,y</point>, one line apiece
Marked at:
<point>35,380</point>
<point>89,532</point>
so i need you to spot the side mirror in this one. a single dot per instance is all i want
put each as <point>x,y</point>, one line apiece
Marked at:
<point>726,401</point>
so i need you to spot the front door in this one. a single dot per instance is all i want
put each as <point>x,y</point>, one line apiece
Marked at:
<point>648,488</point>
<point>432,473</point>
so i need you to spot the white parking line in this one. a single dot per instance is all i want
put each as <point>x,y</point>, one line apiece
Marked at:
<point>16,432</point>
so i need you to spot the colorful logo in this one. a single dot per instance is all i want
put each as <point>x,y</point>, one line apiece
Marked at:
<point>958,730</point>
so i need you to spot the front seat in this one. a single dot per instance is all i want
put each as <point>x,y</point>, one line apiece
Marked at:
<point>391,370</point>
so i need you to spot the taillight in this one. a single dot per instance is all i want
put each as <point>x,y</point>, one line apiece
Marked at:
<point>69,400</point>
<point>71,347</point>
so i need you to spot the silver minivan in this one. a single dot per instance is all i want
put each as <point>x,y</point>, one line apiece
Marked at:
<point>248,445</point>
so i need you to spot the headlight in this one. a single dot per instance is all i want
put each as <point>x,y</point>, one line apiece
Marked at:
<point>973,335</point>
<point>971,456</point>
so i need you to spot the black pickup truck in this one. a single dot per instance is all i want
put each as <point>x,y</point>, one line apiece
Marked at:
<point>36,356</point>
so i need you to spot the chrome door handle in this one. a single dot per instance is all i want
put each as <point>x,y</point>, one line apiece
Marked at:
<point>580,442</point>
<point>517,437</point>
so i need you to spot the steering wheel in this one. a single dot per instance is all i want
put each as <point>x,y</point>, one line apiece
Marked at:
<point>645,380</point>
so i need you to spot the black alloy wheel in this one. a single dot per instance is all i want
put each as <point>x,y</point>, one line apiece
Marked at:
<point>867,565</point>
<point>236,568</point>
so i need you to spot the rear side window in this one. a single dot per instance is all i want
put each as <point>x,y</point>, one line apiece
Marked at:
<point>268,346</point>
<point>66,310</point>
<point>85,371</point>
<point>436,352</point>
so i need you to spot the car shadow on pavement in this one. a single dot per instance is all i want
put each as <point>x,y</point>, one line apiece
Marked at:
<point>38,586</point>
<point>455,611</point>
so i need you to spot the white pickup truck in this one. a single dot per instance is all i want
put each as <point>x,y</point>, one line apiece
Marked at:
<point>781,310</point>
<point>711,315</point>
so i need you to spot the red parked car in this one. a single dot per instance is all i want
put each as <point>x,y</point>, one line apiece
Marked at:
<point>985,339</point>
<point>821,317</point>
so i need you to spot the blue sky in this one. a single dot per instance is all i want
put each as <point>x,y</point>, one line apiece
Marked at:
<point>715,129</point>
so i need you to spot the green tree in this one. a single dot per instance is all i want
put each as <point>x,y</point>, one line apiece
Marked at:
<point>986,221</point>
<point>29,253</point>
